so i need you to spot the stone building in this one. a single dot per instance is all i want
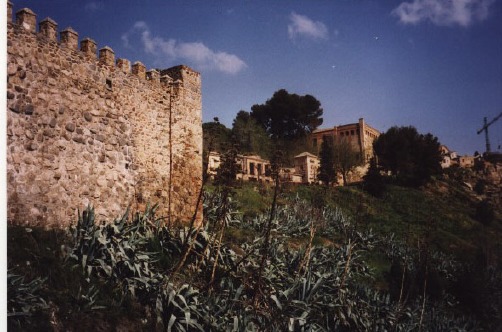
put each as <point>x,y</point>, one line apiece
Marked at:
<point>86,128</point>
<point>253,168</point>
<point>213,163</point>
<point>289,174</point>
<point>360,135</point>
<point>307,167</point>
<point>449,157</point>
<point>466,161</point>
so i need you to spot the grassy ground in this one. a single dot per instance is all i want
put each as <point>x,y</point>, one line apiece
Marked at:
<point>446,211</point>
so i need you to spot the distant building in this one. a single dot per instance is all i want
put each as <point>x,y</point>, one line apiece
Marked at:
<point>449,157</point>
<point>253,168</point>
<point>307,167</point>
<point>213,163</point>
<point>466,161</point>
<point>359,134</point>
<point>288,174</point>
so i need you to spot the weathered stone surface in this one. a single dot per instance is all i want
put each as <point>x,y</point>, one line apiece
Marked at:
<point>53,122</point>
<point>29,109</point>
<point>11,69</point>
<point>31,146</point>
<point>88,116</point>
<point>95,133</point>
<point>79,139</point>
<point>70,127</point>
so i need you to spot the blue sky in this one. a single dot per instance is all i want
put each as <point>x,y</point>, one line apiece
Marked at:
<point>433,64</point>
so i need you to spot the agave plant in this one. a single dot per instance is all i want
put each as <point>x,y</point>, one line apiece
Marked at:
<point>116,251</point>
<point>270,284</point>
<point>23,298</point>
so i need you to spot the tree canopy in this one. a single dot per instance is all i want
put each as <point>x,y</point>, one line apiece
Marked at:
<point>327,171</point>
<point>288,116</point>
<point>346,157</point>
<point>250,136</point>
<point>411,157</point>
<point>216,137</point>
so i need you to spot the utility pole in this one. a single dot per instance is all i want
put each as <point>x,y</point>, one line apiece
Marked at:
<point>485,129</point>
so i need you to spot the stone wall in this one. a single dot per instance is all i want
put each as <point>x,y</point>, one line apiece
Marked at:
<point>86,129</point>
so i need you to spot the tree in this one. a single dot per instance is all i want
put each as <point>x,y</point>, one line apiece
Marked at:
<point>250,136</point>
<point>373,181</point>
<point>412,158</point>
<point>228,170</point>
<point>327,172</point>
<point>288,119</point>
<point>346,157</point>
<point>215,136</point>
<point>288,116</point>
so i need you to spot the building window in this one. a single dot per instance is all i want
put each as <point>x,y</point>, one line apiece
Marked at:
<point>314,142</point>
<point>109,84</point>
<point>251,168</point>
<point>352,132</point>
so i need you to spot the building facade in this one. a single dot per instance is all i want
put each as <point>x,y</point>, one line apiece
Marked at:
<point>307,167</point>
<point>251,167</point>
<point>359,135</point>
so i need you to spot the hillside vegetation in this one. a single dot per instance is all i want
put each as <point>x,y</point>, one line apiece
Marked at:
<point>312,259</point>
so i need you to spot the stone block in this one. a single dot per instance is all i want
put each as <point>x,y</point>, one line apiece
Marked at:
<point>70,127</point>
<point>124,65</point>
<point>69,38</point>
<point>27,19</point>
<point>153,75</point>
<point>49,29</point>
<point>139,70</point>
<point>107,56</point>
<point>88,47</point>
<point>9,11</point>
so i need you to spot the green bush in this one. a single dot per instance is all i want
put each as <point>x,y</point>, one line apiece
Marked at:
<point>373,181</point>
<point>485,213</point>
<point>23,298</point>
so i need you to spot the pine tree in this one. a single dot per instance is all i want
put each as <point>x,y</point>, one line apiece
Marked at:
<point>373,181</point>
<point>327,173</point>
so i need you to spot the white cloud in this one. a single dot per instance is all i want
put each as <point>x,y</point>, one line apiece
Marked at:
<point>443,12</point>
<point>94,6</point>
<point>303,26</point>
<point>196,53</point>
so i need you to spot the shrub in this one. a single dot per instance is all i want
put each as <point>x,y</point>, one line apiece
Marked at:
<point>23,298</point>
<point>272,283</point>
<point>485,212</point>
<point>373,181</point>
<point>480,187</point>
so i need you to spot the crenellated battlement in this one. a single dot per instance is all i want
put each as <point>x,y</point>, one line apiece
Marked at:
<point>26,19</point>
<point>85,126</point>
